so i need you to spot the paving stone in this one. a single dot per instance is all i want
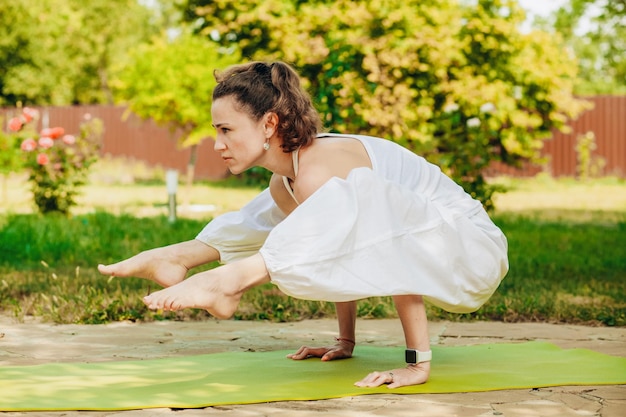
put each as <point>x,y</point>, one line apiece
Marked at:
<point>34,343</point>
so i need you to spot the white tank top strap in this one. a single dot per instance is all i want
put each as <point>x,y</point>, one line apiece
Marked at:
<point>294,157</point>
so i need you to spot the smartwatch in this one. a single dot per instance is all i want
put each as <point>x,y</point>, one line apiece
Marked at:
<point>413,356</point>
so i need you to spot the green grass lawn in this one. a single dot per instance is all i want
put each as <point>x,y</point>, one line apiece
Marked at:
<point>567,255</point>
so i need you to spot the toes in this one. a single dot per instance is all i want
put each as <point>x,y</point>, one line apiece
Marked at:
<point>104,270</point>
<point>150,303</point>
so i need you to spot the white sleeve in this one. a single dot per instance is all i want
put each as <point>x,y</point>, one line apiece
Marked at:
<point>240,234</point>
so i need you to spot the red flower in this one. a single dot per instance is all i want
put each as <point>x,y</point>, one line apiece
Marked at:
<point>53,132</point>
<point>29,114</point>
<point>46,142</point>
<point>43,159</point>
<point>28,145</point>
<point>15,124</point>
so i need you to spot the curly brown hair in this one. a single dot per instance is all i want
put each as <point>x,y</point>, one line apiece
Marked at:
<point>260,87</point>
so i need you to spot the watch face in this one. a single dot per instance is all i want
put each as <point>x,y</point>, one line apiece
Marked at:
<point>410,356</point>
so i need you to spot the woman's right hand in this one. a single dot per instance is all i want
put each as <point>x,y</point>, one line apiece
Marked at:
<point>341,350</point>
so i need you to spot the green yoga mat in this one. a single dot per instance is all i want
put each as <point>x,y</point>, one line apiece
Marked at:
<point>254,377</point>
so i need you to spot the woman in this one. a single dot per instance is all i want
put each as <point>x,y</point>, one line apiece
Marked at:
<point>345,217</point>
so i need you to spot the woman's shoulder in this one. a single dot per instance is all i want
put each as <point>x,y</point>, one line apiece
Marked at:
<point>333,156</point>
<point>326,158</point>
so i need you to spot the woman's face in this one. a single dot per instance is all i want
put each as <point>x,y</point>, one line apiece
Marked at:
<point>239,138</point>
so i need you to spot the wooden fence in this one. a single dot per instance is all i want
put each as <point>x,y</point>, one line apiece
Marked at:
<point>130,137</point>
<point>607,120</point>
<point>145,141</point>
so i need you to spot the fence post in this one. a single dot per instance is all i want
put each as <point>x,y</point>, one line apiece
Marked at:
<point>171,182</point>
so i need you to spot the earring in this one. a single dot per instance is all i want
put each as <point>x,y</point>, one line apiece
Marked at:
<point>266,146</point>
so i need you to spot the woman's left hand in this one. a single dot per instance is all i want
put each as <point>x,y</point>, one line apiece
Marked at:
<point>395,378</point>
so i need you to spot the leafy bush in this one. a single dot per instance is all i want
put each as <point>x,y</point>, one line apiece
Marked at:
<point>57,163</point>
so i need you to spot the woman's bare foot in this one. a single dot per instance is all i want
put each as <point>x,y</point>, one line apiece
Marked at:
<point>217,290</point>
<point>154,265</point>
<point>204,290</point>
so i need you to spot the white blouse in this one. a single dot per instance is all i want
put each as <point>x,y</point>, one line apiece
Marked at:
<point>402,227</point>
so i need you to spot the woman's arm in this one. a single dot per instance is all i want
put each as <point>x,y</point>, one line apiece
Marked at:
<point>412,313</point>
<point>346,314</point>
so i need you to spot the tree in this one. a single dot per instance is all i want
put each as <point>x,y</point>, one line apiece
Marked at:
<point>59,52</point>
<point>596,31</point>
<point>459,84</point>
<point>171,82</point>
